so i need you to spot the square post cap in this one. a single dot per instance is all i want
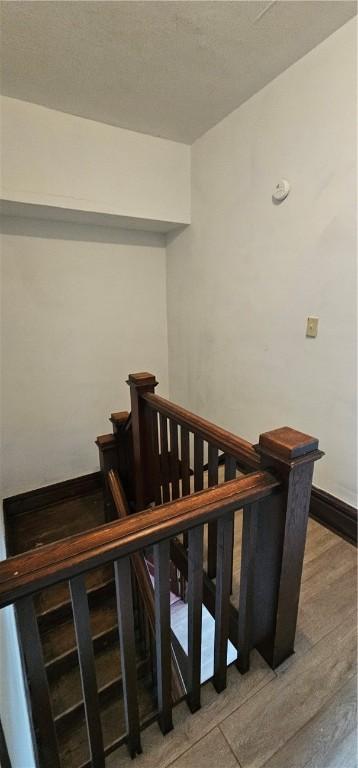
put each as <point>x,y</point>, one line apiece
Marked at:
<point>119,417</point>
<point>142,380</point>
<point>106,442</point>
<point>288,445</point>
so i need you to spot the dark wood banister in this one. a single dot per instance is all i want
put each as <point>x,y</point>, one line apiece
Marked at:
<point>144,582</point>
<point>237,447</point>
<point>34,570</point>
<point>274,521</point>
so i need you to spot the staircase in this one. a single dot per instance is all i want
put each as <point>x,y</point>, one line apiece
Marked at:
<point>93,584</point>
<point>55,621</point>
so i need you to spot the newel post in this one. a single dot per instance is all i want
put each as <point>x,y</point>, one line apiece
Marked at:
<point>281,527</point>
<point>113,454</point>
<point>140,384</point>
<point>123,437</point>
<point>108,459</point>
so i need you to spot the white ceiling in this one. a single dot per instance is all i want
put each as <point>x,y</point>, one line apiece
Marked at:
<point>170,69</point>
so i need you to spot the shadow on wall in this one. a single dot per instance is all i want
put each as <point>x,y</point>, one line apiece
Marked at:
<point>66,230</point>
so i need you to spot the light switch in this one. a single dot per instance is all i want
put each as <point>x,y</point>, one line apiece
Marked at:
<point>312,327</point>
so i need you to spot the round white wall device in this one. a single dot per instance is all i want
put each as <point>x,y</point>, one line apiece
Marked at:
<point>281,190</point>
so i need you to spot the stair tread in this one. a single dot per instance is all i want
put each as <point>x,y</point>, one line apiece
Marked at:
<point>73,743</point>
<point>53,597</point>
<point>66,691</point>
<point>60,638</point>
<point>57,521</point>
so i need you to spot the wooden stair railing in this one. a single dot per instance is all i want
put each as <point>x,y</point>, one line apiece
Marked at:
<point>152,452</point>
<point>22,576</point>
<point>167,440</point>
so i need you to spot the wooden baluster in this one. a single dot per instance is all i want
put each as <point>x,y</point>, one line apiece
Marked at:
<point>174,459</point>
<point>230,474</point>
<point>180,558</point>
<point>162,634</point>
<point>153,417</point>
<point>230,468</point>
<point>128,655</point>
<point>135,592</point>
<point>82,624</point>
<point>141,383</point>
<point>248,553</point>
<point>222,600</point>
<point>164,457</point>
<point>174,581</point>
<point>185,461</point>
<point>213,478</point>
<point>141,624</point>
<point>40,695</point>
<point>185,469</point>
<point>281,537</point>
<point>198,463</point>
<point>195,600</point>
<point>182,588</point>
<point>4,754</point>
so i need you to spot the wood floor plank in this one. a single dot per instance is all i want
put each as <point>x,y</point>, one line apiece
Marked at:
<point>210,752</point>
<point>332,561</point>
<point>329,739</point>
<point>317,544</point>
<point>322,608</point>
<point>159,752</point>
<point>344,755</point>
<point>270,718</point>
<point>328,593</point>
<point>331,550</point>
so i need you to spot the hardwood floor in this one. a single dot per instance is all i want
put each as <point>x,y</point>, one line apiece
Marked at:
<point>301,716</point>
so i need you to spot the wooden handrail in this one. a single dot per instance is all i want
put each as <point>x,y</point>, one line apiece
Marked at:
<point>237,447</point>
<point>37,569</point>
<point>153,450</point>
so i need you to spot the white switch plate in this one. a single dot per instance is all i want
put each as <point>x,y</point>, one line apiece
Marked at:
<point>312,327</point>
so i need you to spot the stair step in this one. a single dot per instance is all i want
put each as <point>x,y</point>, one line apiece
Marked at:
<point>59,641</point>
<point>66,689</point>
<point>61,612</point>
<point>113,688</point>
<point>57,521</point>
<point>73,742</point>
<point>54,597</point>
